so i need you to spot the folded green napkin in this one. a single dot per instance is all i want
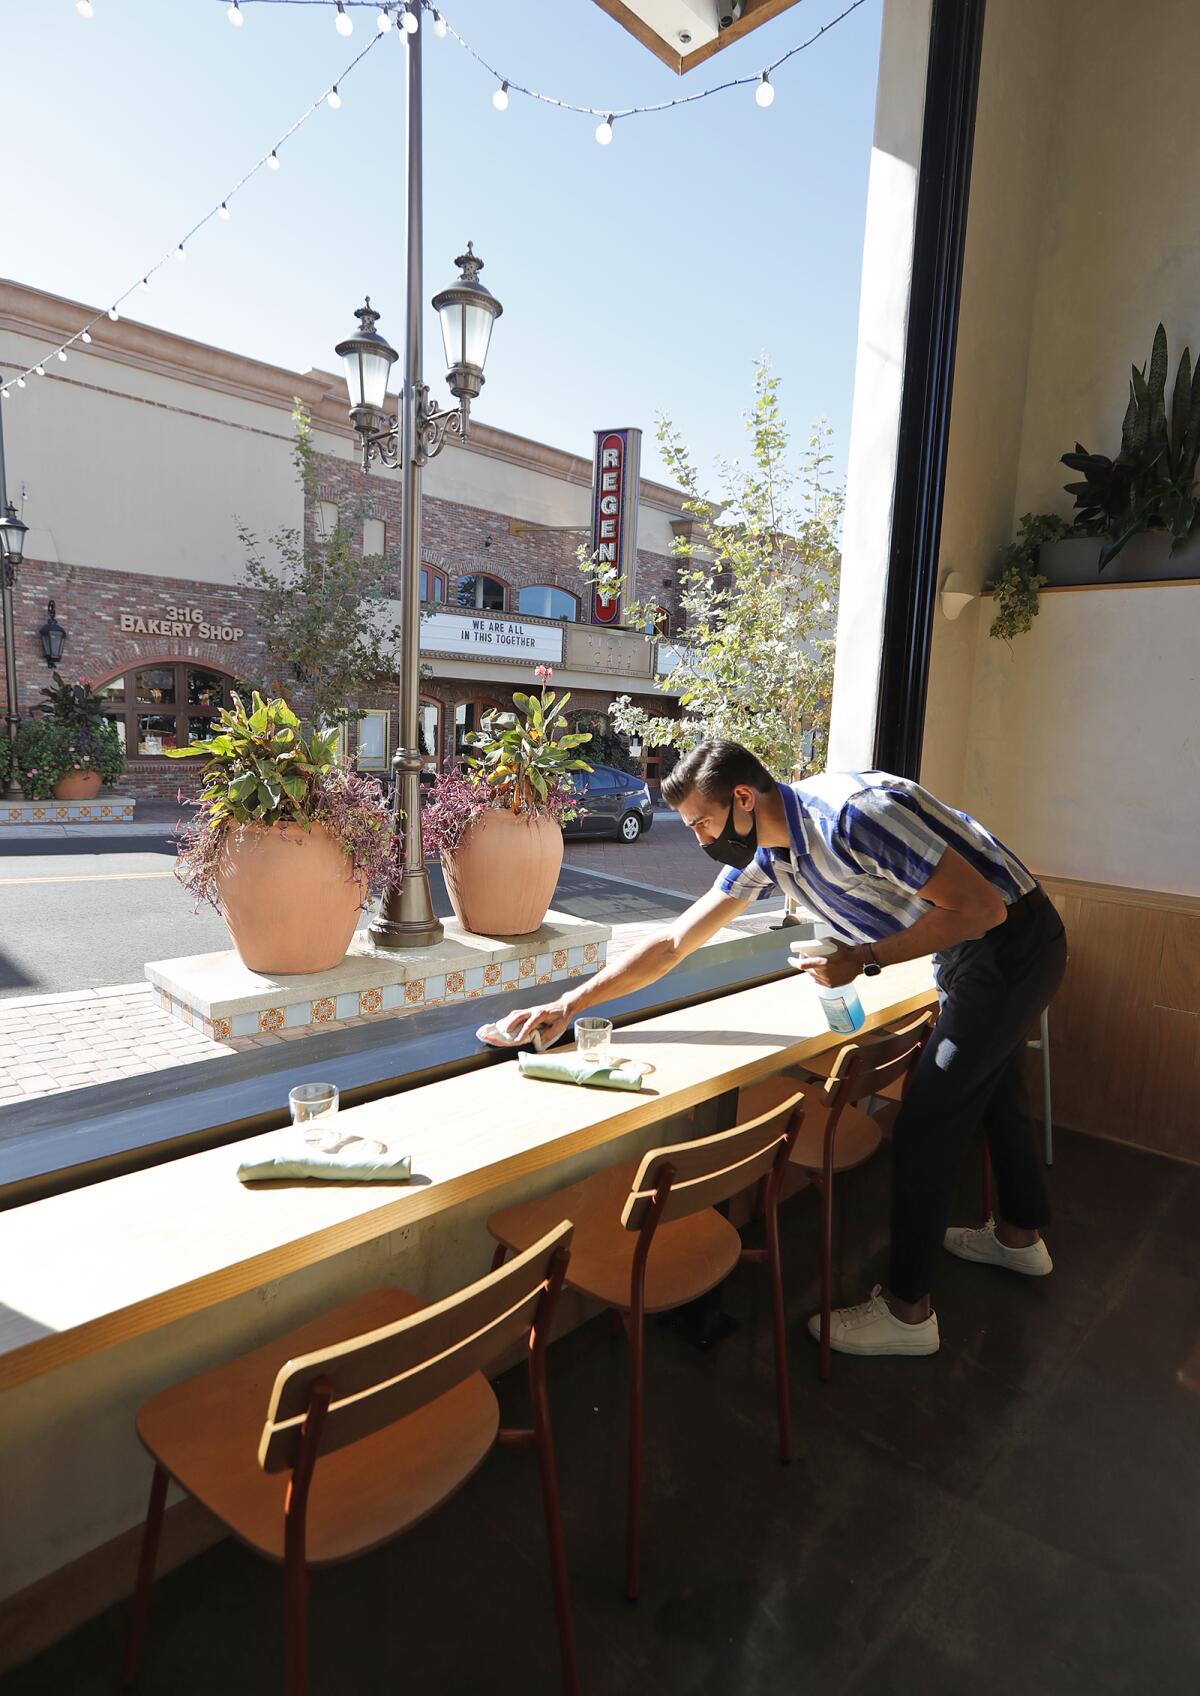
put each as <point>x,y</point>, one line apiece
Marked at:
<point>348,1159</point>
<point>570,1069</point>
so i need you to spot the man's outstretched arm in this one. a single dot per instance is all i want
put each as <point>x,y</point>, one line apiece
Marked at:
<point>645,964</point>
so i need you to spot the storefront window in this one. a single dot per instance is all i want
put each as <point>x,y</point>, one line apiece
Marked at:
<point>485,593</point>
<point>543,600</point>
<point>433,584</point>
<point>164,706</point>
<point>373,740</point>
<point>429,733</point>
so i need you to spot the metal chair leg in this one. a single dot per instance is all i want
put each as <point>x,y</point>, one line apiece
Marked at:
<point>145,1577</point>
<point>779,1321</point>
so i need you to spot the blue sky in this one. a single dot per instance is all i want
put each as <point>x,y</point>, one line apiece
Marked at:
<point>639,277</point>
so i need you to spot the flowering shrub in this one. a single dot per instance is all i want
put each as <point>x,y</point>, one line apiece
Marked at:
<point>262,770</point>
<point>524,757</point>
<point>5,761</point>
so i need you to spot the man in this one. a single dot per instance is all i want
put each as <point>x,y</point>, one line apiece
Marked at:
<point>893,874</point>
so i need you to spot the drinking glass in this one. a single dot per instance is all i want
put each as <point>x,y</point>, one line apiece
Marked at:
<point>315,1105</point>
<point>593,1040</point>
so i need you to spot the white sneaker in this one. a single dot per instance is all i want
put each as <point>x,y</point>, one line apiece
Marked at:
<point>981,1243</point>
<point>872,1328</point>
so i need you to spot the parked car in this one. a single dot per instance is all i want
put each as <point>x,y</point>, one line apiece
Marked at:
<point>611,803</point>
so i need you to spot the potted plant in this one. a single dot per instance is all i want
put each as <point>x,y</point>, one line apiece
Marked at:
<point>498,827</point>
<point>73,745</point>
<point>285,842</point>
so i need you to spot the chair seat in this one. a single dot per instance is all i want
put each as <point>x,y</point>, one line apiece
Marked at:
<point>858,1135</point>
<point>687,1257</point>
<point>206,1432</point>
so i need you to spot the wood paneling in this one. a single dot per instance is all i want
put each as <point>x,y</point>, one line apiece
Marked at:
<point>1125,1027</point>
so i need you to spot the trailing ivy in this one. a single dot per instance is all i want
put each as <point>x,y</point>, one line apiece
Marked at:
<point>1018,583</point>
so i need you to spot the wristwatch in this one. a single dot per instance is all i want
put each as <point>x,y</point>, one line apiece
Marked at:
<point>871,966</point>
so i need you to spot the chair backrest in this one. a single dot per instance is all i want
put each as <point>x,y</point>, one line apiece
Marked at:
<point>382,1375</point>
<point>713,1168</point>
<point>870,1063</point>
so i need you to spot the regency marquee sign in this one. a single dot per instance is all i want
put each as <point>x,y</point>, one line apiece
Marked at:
<point>616,479</point>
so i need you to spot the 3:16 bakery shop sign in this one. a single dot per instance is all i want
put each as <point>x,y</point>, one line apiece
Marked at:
<point>189,622</point>
<point>616,484</point>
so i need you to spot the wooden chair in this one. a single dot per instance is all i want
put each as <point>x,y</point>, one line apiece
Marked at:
<point>836,1135</point>
<point>375,1414</point>
<point>648,1238</point>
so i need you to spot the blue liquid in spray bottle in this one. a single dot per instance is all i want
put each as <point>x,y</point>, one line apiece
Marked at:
<point>842,1008</point>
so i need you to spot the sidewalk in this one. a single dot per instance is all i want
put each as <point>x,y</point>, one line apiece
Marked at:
<point>94,1036</point>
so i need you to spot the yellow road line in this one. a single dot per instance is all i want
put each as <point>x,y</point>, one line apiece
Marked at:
<point>86,877</point>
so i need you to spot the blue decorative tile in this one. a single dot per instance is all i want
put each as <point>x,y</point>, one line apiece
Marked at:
<point>347,1005</point>
<point>299,1013</point>
<point>244,1024</point>
<point>473,978</point>
<point>393,995</point>
<point>435,988</point>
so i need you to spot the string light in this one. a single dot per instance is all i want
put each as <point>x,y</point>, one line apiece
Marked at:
<point>410,20</point>
<point>223,212</point>
<point>86,336</point>
<point>273,160</point>
<point>114,314</point>
<point>333,98</point>
<point>383,22</point>
<point>41,370</point>
<point>145,283</point>
<point>234,14</point>
<point>85,8</point>
<point>439,26</point>
<point>179,253</point>
<point>20,382</point>
<point>500,98</point>
<point>343,23</point>
<point>604,131</point>
<point>765,92</point>
<point>62,355</point>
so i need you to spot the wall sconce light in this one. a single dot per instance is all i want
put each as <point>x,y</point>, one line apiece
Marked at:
<point>955,595</point>
<point>53,637</point>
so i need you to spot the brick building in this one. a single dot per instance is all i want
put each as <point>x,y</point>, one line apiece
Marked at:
<point>135,467</point>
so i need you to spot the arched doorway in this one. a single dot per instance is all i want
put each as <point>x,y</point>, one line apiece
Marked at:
<point>167,703</point>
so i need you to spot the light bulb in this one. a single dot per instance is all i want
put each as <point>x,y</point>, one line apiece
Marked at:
<point>86,336</point>
<point>179,253</point>
<point>604,131</point>
<point>334,98</point>
<point>439,26</point>
<point>20,382</point>
<point>273,160</point>
<point>234,14</point>
<point>343,23</point>
<point>4,392</point>
<point>62,354</point>
<point>224,212</point>
<point>411,21</point>
<point>145,283</point>
<point>500,98</point>
<point>383,22</point>
<point>41,370</point>
<point>85,8</point>
<point>765,91</point>
<point>113,314</point>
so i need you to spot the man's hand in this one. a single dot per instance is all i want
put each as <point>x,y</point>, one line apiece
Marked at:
<point>549,1022</point>
<point>833,970</point>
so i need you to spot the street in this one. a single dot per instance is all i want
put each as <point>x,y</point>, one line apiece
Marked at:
<point>89,908</point>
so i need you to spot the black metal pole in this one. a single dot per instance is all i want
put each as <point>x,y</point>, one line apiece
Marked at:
<point>8,578</point>
<point>939,242</point>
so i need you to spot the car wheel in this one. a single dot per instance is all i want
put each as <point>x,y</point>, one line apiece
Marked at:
<point>631,827</point>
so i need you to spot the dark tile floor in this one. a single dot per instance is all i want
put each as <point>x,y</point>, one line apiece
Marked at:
<point>1019,1514</point>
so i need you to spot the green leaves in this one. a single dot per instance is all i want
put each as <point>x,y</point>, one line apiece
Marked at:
<point>260,768</point>
<point>519,755</point>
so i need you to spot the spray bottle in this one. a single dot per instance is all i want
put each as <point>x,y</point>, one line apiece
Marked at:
<point>842,1008</point>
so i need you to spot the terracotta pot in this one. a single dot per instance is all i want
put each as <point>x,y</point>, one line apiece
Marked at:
<point>501,878</point>
<point>78,786</point>
<point>287,897</point>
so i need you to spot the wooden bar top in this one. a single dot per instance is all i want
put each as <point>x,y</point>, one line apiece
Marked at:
<point>91,1268</point>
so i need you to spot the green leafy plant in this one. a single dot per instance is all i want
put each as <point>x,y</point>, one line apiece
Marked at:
<point>74,705</point>
<point>38,756</point>
<point>84,738</point>
<point>261,769</point>
<point>523,757</point>
<point>1151,484</point>
<point>1018,582</point>
<point>5,760</point>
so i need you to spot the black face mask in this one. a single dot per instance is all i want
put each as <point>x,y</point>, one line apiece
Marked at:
<point>729,848</point>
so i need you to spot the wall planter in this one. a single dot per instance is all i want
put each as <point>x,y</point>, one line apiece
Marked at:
<point>78,786</point>
<point>501,877</point>
<point>1145,558</point>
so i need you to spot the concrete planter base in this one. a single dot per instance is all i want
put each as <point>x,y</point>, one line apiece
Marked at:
<point>98,811</point>
<point>1145,558</point>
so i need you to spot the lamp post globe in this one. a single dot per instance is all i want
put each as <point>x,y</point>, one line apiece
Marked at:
<point>368,358</point>
<point>467,310</point>
<point>12,536</point>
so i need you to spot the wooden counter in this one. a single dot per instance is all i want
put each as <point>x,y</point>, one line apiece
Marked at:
<point>86,1270</point>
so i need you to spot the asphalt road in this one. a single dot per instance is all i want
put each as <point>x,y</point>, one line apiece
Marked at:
<point>81,912</point>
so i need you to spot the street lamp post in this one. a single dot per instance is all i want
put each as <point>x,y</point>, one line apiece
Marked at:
<point>12,548</point>
<point>467,310</point>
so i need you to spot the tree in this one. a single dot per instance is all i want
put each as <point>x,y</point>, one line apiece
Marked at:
<point>319,606</point>
<point>759,594</point>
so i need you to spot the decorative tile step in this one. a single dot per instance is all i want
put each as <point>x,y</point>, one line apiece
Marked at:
<point>217,994</point>
<point>66,812</point>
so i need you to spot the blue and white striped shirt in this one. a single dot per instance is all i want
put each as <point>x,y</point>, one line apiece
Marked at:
<point>862,845</point>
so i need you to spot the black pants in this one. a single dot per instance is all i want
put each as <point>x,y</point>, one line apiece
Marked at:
<point>972,1073</point>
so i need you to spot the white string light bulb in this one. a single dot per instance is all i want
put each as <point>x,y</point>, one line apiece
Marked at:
<point>20,382</point>
<point>41,370</point>
<point>86,337</point>
<point>234,14</point>
<point>223,212</point>
<point>85,8</point>
<point>273,160</point>
<point>343,23</point>
<point>114,314</point>
<point>765,92</point>
<point>383,22</point>
<point>333,98</point>
<point>500,98</point>
<point>439,26</point>
<point>604,131</point>
<point>145,283</point>
<point>179,253</point>
<point>62,354</point>
<point>411,21</point>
